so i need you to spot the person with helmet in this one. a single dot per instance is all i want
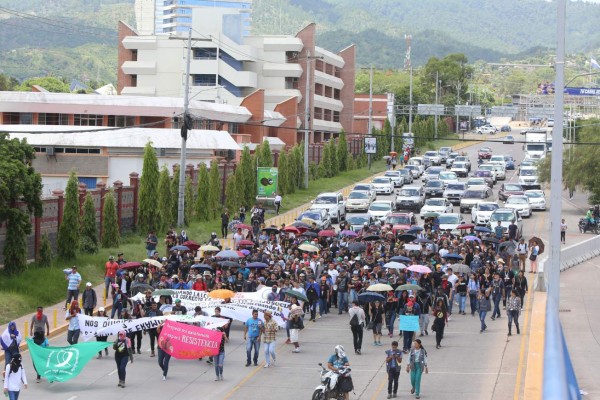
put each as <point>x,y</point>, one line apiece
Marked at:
<point>214,240</point>
<point>589,217</point>
<point>139,285</point>
<point>337,361</point>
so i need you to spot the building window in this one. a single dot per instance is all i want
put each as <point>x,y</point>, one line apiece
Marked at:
<point>121,120</point>
<point>88,120</point>
<point>18,118</point>
<point>336,94</point>
<point>205,80</point>
<point>318,114</point>
<point>53,119</point>
<point>291,83</point>
<point>205,54</point>
<point>133,80</point>
<point>233,128</point>
<point>336,116</point>
<point>134,55</point>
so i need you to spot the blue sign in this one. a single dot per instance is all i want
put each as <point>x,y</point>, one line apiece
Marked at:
<point>581,91</point>
<point>409,323</point>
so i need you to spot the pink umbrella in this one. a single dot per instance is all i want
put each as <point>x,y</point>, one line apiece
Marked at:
<point>245,252</point>
<point>327,233</point>
<point>421,269</point>
<point>465,226</point>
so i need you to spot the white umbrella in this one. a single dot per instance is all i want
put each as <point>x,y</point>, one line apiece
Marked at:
<point>380,287</point>
<point>394,265</point>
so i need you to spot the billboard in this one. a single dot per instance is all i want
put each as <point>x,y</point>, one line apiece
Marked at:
<point>370,145</point>
<point>267,179</point>
<point>581,91</point>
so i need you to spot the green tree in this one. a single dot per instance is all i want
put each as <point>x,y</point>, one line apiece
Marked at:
<point>175,194</point>
<point>111,237</point>
<point>164,198</point>
<point>325,166</point>
<point>18,183</point>
<point>8,83</point>
<point>214,189</point>
<point>334,160</point>
<point>232,192</point>
<point>45,254</point>
<point>342,152</point>
<point>299,165</point>
<point>49,83</point>
<point>149,215</point>
<point>89,228</point>
<point>189,201</point>
<point>248,178</point>
<point>454,73</point>
<point>68,233</point>
<point>283,173</point>
<point>202,194</point>
<point>265,156</point>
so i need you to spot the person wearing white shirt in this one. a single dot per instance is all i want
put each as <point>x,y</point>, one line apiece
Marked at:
<point>277,203</point>
<point>14,377</point>
<point>443,252</point>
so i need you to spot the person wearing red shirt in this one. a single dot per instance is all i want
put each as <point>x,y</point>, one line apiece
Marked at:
<point>111,273</point>
<point>199,285</point>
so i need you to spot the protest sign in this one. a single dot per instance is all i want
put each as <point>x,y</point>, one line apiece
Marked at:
<point>188,341</point>
<point>409,323</point>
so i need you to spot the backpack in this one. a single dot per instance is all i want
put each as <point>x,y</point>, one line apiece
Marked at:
<point>311,293</point>
<point>354,321</point>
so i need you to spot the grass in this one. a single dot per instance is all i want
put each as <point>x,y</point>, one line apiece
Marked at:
<point>21,294</point>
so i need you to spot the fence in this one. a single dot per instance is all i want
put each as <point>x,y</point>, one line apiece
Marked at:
<point>126,198</point>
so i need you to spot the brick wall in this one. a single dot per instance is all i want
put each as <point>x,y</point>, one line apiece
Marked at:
<point>123,54</point>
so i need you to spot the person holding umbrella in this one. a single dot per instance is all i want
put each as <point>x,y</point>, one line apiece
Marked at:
<point>357,323</point>
<point>296,325</point>
<point>377,314</point>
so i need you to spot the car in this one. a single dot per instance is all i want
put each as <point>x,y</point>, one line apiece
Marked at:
<point>433,156</point>
<point>509,139</point>
<point>451,158</point>
<point>460,169</point>
<point>505,128</point>
<point>406,175</point>
<point>509,189</point>
<point>418,161</point>
<point>474,195</point>
<point>528,178</point>
<point>356,222</point>
<point>383,185</point>
<point>358,200</point>
<point>414,170</point>
<point>432,173</point>
<point>519,203</point>
<point>396,178</point>
<point>380,209</point>
<point>475,181</point>
<point>506,216</point>
<point>434,188</point>
<point>410,198</point>
<point>484,153</point>
<point>550,123</point>
<point>334,204</point>
<point>464,159</point>
<point>488,176</point>
<point>437,205</point>
<point>510,162</point>
<point>500,170</point>
<point>449,222</point>
<point>320,216</point>
<point>368,187</point>
<point>528,162</point>
<point>491,168</point>
<point>444,152</point>
<point>537,199</point>
<point>401,221</point>
<point>481,212</point>
<point>448,177</point>
<point>486,130</point>
<point>497,159</point>
<point>454,191</point>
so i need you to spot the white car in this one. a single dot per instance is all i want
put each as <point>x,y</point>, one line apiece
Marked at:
<point>500,170</point>
<point>537,199</point>
<point>464,159</point>
<point>448,177</point>
<point>320,216</point>
<point>491,168</point>
<point>396,177</point>
<point>500,159</point>
<point>482,211</point>
<point>506,216</point>
<point>475,182</point>
<point>380,209</point>
<point>414,170</point>
<point>438,205</point>
<point>368,187</point>
<point>334,204</point>
<point>419,162</point>
<point>407,176</point>
<point>460,168</point>
<point>519,203</point>
<point>528,178</point>
<point>486,130</point>
<point>449,221</point>
<point>383,185</point>
<point>433,156</point>
<point>358,200</point>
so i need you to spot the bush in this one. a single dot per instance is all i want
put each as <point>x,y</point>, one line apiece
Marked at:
<point>45,254</point>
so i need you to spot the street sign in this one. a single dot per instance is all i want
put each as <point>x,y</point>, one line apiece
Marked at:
<point>540,112</point>
<point>430,109</point>
<point>504,111</point>
<point>467,111</point>
<point>580,91</point>
<point>370,145</point>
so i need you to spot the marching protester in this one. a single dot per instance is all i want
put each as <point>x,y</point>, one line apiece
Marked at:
<point>296,325</point>
<point>163,357</point>
<point>440,315</point>
<point>39,323</point>
<point>42,341</point>
<point>513,308</point>
<point>123,354</point>
<point>357,324</point>
<point>14,377</point>
<point>377,314</point>
<point>74,329</point>
<point>89,299</point>
<point>393,362</point>
<point>220,358</point>
<point>485,306</point>
<point>74,281</point>
<point>417,363</point>
<point>10,341</point>
<point>102,313</point>
<point>270,332</point>
<point>253,329</point>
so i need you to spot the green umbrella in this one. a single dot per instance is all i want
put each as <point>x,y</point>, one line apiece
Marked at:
<point>409,286</point>
<point>163,292</point>
<point>298,295</point>
<point>430,215</point>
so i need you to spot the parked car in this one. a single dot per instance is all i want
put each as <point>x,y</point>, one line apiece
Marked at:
<point>380,209</point>
<point>484,153</point>
<point>519,203</point>
<point>454,191</point>
<point>460,168</point>
<point>509,189</point>
<point>358,200</point>
<point>334,204</point>
<point>356,222</point>
<point>506,216</point>
<point>410,197</point>
<point>406,175</point>
<point>396,178</point>
<point>482,211</point>
<point>321,217</point>
<point>505,128</point>
<point>537,199</point>
<point>437,205</point>
<point>473,196</point>
<point>509,139</point>
<point>383,185</point>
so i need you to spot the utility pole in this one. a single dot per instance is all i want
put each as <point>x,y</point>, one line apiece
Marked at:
<point>437,77</point>
<point>370,128</point>
<point>408,64</point>
<point>392,117</point>
<point>306,118</point>
<point>184,132</point>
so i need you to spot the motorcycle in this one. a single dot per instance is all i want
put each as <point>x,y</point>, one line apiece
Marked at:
<point>333,384</point>
<point>585,226</point>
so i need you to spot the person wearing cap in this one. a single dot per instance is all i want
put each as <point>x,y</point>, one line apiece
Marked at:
<point>110,274</point>
<point>74,281</point>
<point>178,309</point>
<point>89,299</point>
<point>199,284</point>
<point>313,292</point>
<point>410,308</point>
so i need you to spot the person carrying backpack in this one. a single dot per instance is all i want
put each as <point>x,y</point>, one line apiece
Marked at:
<point>313,292</point>
<point>14,377</point>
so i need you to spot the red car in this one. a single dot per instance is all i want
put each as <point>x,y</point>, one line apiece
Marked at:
<point>484,153</point>
<point>401,221</point>
<point>509,189</point>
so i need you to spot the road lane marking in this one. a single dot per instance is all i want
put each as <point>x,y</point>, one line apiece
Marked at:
<point>113,372</point>
<point>72,398</point>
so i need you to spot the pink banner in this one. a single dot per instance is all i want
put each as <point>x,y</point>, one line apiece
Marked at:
<point>188,342</point>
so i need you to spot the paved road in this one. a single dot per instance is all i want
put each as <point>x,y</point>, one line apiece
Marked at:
<point>469,366</point>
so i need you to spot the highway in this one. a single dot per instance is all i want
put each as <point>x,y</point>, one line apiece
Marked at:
<point>469,366</point>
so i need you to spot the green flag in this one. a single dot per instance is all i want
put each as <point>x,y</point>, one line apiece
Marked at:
<point>59,364</point>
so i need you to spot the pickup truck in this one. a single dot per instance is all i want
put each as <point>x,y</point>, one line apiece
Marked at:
<point>333,202</point>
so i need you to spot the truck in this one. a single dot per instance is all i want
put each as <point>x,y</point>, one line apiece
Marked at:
<point>535,143</point>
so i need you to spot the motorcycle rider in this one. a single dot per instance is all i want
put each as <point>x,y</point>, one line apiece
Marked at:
<point>589,217</point>
<point>336,362</point>
<point>214,240</point>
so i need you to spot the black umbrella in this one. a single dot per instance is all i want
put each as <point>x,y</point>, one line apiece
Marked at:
<point>491,240</point>
<point>453,256</point>
<point>406,237</point>
<point>423,240</point>
<point>357,247</point>
<point>371,237</point>
<point>309,234</point>
<point>229,264</point>
<point>271,229</point>
<point>369,297</point>
<point>400,259</point>
<point>510,244</point>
